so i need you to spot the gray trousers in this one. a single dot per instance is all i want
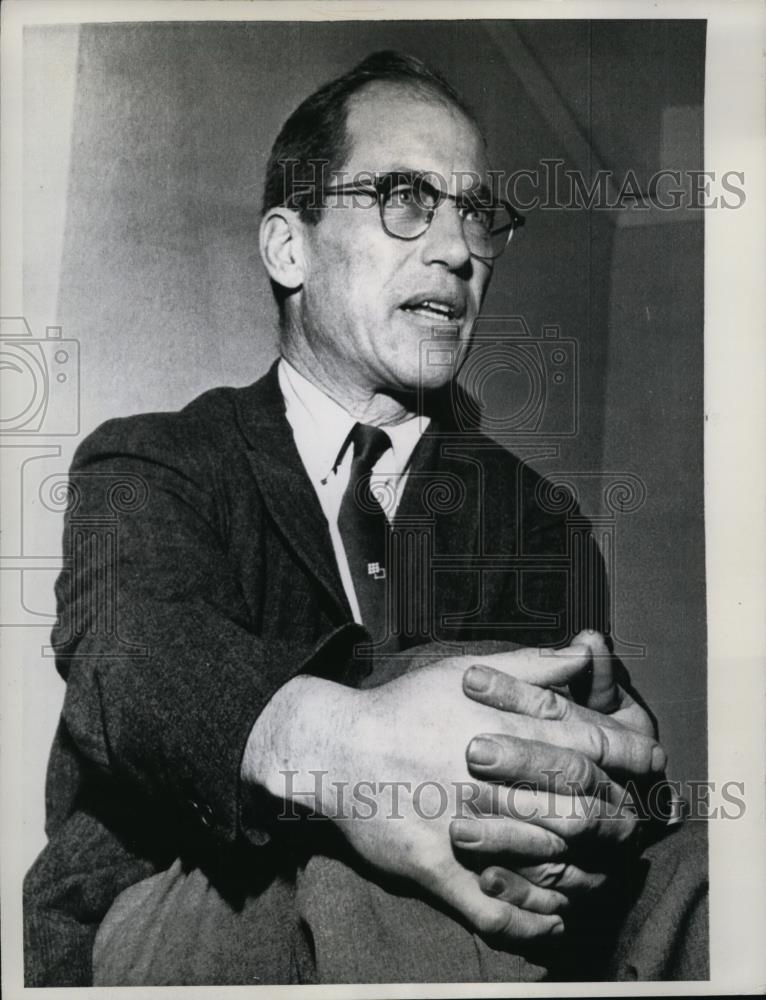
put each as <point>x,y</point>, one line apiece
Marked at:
<point>330,924</point>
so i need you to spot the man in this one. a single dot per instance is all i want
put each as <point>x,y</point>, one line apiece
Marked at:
<point>268,629</point>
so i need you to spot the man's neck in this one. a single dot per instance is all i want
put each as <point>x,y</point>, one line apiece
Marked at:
<point>365,405</point>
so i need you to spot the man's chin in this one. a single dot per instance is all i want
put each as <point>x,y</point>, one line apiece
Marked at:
<point>438,360</point>
<point>419,381</point>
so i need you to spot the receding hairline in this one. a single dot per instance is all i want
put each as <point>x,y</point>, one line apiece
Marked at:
<point>423,90</point>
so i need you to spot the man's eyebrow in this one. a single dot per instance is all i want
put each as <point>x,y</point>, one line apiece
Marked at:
<point>410,171</point>
<point>480,193</point>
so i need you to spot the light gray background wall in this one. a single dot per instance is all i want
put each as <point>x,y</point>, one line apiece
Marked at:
<point>145,147</point>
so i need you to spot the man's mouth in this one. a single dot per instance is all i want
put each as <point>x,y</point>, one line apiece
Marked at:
<point>435,309</point>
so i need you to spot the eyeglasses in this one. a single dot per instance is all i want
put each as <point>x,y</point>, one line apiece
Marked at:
<point>408,203</point>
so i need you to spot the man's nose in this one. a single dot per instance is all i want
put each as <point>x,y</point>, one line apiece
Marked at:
<point>444,241</point>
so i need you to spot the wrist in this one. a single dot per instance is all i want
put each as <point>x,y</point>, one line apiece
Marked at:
<point>308,725</point>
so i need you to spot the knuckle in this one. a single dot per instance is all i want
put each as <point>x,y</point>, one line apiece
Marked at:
<point>570,877</point>
<point>549,705</point>
<point>549,874</point>
<point>507,694</point>
<point>523,893</point>
<point>598,744</point>
<point>494,921</point>
<point>580,771</point>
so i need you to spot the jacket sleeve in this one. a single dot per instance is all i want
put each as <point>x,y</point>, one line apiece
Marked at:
<point>165,678</point>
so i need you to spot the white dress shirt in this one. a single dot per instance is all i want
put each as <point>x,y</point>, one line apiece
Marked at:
<point>320,427</point>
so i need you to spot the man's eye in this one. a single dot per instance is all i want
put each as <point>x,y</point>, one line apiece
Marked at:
<point>402,196</point>
<point>411,196</point>
<point>478,216</point>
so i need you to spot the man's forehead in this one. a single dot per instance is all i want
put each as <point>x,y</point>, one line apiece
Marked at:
<point>394,126</point>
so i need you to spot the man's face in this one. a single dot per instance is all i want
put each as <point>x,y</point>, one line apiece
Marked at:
<point>362,304</point>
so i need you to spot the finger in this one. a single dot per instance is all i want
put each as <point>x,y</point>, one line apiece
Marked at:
<point>497,689</point>
<point>594,640</point>
<point>500,690</point>
<point>540,666</point>
<point>565,878</point>
<point>602,693</point>
<point>548,717</point>
<point>495,919</point>
<point>504,835</point>
<point>501,883</point>
<point>613,748</point>
<point>549,768</point>
<point>574,818</point>
<point>512,694</point>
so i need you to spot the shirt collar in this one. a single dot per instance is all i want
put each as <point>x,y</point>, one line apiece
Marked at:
<point>321,425</point>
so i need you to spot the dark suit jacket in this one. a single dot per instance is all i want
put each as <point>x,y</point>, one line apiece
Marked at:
<point>199,578</point>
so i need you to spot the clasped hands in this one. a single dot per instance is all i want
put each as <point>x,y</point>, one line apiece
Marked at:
<point>522,777</point>
<point>542,772</point>
<point>570,760</point>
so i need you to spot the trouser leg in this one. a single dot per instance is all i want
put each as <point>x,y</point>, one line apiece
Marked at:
<point>665,933</point>
<point>177,928</point>
<point>652,923</point>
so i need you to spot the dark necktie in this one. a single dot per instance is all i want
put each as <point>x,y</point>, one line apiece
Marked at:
<point>364,528</point>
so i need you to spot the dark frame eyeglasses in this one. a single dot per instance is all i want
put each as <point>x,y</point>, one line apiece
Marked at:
<point>407,203</point>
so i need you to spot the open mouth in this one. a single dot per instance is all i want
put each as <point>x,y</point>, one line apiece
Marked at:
<point>434,309</point>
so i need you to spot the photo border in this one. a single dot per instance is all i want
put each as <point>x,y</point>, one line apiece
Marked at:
<point>735,362</point>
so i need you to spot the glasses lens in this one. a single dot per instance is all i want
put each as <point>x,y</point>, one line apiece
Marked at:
<point>487,229</point>
<point>408,205</point>
<point>407,208</point>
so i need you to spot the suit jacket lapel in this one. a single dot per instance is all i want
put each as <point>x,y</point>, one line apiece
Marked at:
<point>434,488</point>
<point>294,506</point>
<point>285,486</point>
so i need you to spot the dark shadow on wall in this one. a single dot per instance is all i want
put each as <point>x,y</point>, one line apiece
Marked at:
<point>162,285</point>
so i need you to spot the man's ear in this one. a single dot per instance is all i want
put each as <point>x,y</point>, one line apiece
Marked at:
<point>281,243</point>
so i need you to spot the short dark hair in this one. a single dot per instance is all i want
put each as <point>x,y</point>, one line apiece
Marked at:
<point>315,133</point>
